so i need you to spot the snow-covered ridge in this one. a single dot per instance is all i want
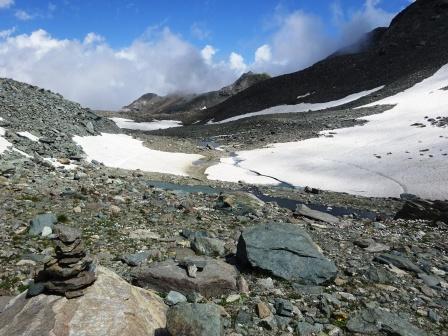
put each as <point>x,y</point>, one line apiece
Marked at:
<point>388,156</point>
<point>146,126</point>
<point>302,107</point>
<point>122,151</point>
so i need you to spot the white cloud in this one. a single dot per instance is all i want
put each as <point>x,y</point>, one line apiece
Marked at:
<point>263,54</point>
<point>7,32</point>
<point>354,26</point>
<point>301,39</point>
<point>23,15</point>
<point>96,75</point>
<point>93,38</point>
<point>200,31</point>
<point>6,3</point>
<point>99,76</point>
<point>207,53</point>
<point>236,62</point>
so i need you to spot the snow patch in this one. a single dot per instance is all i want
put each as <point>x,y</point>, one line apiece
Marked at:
<point>28,136</point>
<point>122,151</point>
<point>303,107</point>
<point>146,126</point>
<point>385,157</point>
<point>304,96</point>
<point>55,163</point>
<point>4,144</point>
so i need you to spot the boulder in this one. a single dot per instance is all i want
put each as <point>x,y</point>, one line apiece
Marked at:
<point>285,251</point>
<point>195,320</point>
<point>110,307</point>
<point>38,223</point>
<point>424,209</point>
<point>374,320</point>
<point>303,210</point>
<point>398,261</point>
<point>208,246</point>
<point>213,277</point>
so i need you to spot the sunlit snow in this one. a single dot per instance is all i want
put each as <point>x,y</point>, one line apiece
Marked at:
<point>146,126</point>
<point>28,135</point>
<point>385,157</point>
<point>123,151</point>
<point>4,145</point>
<point>303,107</point>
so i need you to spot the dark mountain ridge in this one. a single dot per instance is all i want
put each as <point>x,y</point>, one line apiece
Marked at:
<point>416,41</point>
<point>151,105</point>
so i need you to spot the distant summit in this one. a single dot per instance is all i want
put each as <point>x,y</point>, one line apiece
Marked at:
<point>414,46</point>
<point>151,105</point>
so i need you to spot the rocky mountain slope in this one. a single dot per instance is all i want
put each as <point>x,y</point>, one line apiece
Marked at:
<point>416,41</point>
<point>38,121</point>
<point>150,105</point>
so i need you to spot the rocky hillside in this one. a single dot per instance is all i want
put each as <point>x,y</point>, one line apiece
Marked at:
<point>416,41</point>
<point>40,122</point>
<point>151,105</point>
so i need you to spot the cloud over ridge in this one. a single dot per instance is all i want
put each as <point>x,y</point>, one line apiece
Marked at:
<point>97,75</point>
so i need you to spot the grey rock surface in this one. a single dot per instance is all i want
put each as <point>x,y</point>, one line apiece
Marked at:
<point>38,223</point>
<point>214,279</point>
<point>303,210</point>
<point>286,251</point>
<point>195,320</point>
<point>374,320</point>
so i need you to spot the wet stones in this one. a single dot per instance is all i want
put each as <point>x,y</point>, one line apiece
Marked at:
<point>70,271</point>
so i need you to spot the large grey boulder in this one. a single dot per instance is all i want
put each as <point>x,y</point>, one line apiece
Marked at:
<point>38,223</point>
<point>110,307</point>
<point>213,278</point>
<point>374,320</point>
<point>286,251</point>
<point>195,320</point>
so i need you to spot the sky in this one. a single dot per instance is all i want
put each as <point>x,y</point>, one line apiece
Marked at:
<point>106,53</point>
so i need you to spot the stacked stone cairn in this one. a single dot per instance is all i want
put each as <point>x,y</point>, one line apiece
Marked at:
<point>70,270</point>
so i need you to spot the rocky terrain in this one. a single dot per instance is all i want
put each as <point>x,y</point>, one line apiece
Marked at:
<point>183,106</point>
<point>207,245</point>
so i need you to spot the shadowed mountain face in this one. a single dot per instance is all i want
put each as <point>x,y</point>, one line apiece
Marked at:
<point>151,106</point>
<point>417,40</point>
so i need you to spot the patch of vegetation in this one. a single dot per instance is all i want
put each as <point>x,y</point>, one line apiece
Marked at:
<point>62,218</point>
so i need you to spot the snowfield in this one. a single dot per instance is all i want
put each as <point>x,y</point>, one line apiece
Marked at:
<point>302,107</point>
<point>123,151</point>
<point>4,145</point>
<point>146,126</point>
<point>385,157</point>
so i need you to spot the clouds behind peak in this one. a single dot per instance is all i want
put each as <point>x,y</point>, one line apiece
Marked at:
<point>97,75</point>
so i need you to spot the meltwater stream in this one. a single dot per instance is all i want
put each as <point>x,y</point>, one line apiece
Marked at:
<point>281,201</point>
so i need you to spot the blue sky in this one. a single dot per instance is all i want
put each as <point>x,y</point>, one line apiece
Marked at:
<point>133,47</point>
<point>230,24</point>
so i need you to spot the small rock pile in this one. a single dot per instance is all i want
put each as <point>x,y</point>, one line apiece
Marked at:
<point>70,271</point>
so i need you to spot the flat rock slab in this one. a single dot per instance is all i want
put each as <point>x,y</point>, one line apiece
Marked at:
<point>398,261</point>
<point>195,320</point>
<point>303,210</point>
<point>4,300</point>
<point>372,321</point>
<point>110,307</point>
<point>285,251</point>
<point>215,279</point>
